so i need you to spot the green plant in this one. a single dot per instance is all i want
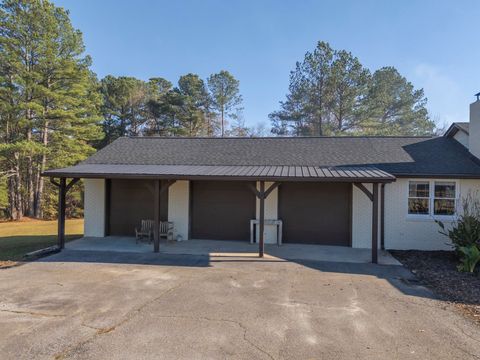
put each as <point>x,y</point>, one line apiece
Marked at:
<point>471,256</point>
<point>465,230</point>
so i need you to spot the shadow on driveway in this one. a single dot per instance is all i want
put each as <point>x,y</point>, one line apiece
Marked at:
<point>106,257</point>
<point>398,276</point>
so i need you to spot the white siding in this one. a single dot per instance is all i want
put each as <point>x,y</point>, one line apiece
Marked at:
<point>179,207</point>
<point>94,207</point>
<point>462,138</point>
<point>405,233</point>
<point>271,213</point>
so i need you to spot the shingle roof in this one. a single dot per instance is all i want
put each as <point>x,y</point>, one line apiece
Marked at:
<point>400,156</point>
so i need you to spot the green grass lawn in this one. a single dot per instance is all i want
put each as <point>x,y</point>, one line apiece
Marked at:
<point>20,237</point>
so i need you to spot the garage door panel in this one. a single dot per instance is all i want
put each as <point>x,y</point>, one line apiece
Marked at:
<point>221,210</point>
<point>130,203</point>
<point>316,213</point>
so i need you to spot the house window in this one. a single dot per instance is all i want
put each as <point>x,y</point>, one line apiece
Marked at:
<point>432,198</point>
<point>419,197</point>
<point>444,199</point>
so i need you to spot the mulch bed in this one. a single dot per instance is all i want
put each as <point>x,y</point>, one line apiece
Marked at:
<point>438,271</point>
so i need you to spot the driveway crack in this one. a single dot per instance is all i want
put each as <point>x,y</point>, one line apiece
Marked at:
<point>128,316</point>
<point>33,313</point>
<point>238,323</point>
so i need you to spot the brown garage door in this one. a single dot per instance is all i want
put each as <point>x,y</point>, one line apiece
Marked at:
<point>316,213</point>
<point>131,201</point>
<point>221,210</point>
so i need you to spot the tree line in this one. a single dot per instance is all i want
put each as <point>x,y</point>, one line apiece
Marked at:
<point>332,93</point>
<point>54,111</point>
<point>194,107</point>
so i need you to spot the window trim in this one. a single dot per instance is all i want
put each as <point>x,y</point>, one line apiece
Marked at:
<point>431,199</point>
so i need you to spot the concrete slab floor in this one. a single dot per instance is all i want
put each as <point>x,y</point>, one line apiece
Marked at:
<point>216,247</point>
<point>119,305</point>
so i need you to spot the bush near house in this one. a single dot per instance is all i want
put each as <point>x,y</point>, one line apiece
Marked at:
<point>465,233</point>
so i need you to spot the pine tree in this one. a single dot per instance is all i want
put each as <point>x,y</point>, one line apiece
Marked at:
<point>225,94</point>
<point>331,93</point>
<point>51,101</point>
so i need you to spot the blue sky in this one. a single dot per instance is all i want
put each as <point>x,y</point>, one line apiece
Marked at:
<point>435,44</point>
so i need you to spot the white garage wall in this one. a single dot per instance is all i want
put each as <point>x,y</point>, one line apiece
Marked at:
<point>271,213</point>
<point>94,207</point>
<point>179,207</point>
<point>362,218</point>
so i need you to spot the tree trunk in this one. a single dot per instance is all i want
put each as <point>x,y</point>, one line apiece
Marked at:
<point>319,129</point>
<point>13,212</point>
<point>223,127</point>
<point>209,125</point>
<point>40,181</point>
<point>29,205</point>
<point>17,189</point>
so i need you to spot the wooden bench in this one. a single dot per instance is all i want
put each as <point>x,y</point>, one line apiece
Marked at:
<point>166,230</point>
<point>146,230</point>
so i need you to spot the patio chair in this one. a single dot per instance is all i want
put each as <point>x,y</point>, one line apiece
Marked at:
<point>166,230</point>
<point>146,230</point>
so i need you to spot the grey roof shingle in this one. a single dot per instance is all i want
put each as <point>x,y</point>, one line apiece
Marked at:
<point>401,156</point>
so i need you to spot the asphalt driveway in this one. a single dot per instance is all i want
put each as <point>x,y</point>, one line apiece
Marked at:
<point>100,305</point>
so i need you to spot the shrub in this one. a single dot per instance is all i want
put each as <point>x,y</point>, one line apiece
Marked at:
<point>470,258</point>
<point>465,230</point>
<point>465,233</point>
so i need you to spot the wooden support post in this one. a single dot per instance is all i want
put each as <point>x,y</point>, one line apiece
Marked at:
<point>364,190</point>
<point>262,219</point>
<point>62,190</point>
<point>262,194</point>
<point>156,217</point>
<point>382,217</point>
<point>375,224</point>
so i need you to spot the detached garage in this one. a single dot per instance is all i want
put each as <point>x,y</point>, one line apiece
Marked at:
<point>363,192</point>
<point>232,189</point>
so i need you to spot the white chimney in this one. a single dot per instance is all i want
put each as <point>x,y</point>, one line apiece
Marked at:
<point>474,128</point>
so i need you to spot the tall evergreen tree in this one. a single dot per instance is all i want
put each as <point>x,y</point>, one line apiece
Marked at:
<point>394,107</point>
<point>331,93</point>
<point>49,98</point>
<point>124,106</point>
<point>306,110</point>
<point>348,85</point>
<point>226,98</point>
<point>196,101</point>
